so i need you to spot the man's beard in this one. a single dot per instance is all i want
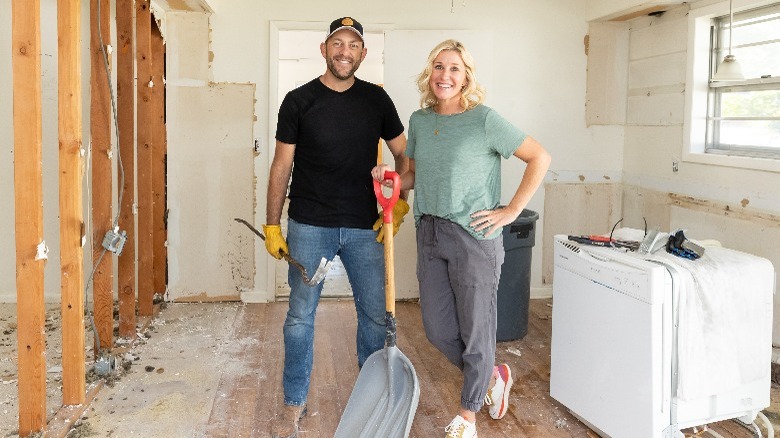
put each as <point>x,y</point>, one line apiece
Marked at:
<point>332,67</point>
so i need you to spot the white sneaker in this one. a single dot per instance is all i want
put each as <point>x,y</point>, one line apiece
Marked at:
<point>459,427</point>
<point>497,397</point>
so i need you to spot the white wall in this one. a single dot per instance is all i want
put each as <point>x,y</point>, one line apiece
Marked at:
<point>7,260</point>
<point>210,169</point>
<point>538,83</point>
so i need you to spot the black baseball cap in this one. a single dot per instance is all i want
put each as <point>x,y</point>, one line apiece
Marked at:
<point>346,23</point>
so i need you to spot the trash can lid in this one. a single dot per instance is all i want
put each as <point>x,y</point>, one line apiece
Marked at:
<point>527,216</point>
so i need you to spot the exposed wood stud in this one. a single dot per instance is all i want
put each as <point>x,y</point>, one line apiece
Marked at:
<point>159,147</point>
<point>28,203</point>
<point>126,114</point>
<point>143,38</point>
<point>102,220</point>
<point>71,216</point>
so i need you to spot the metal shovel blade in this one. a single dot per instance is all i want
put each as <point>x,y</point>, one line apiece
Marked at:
<point>384,399</point>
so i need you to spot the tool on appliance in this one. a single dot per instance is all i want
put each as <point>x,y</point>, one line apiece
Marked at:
<point>680,246</point>
<point>386,393</point>
<point>653,241</point>
<point>315,279</point>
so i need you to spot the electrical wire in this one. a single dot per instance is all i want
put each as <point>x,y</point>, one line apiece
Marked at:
<point>116,120</point>
<point>613,230</point>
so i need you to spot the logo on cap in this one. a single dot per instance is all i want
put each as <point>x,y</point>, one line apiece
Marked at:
<point>345,23</point>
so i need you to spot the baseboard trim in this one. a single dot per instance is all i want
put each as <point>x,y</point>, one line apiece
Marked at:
<point>541,292</point>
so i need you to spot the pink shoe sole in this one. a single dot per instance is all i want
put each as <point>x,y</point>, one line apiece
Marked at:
<point>505,396</point>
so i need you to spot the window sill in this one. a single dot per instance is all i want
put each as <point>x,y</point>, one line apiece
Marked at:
<point>751,163</point>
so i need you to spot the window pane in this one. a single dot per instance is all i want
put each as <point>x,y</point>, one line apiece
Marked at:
<point>755,106</point>
<point>762,103</point>
<point>763,31</point>
<point>763,133</point>
<point>756,41</point>
<point>757,61</point>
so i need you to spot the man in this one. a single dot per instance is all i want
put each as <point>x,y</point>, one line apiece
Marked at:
<point>329,129</point>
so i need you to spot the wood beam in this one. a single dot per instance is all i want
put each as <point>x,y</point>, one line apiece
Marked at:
<point>101,156</point>
<point>159,149</point>
<point>126,115</point>
<point>61,425</point>
<point>71,216</point>
<point>144,85</point>
<point>28,203</point>
<point>641,13</point>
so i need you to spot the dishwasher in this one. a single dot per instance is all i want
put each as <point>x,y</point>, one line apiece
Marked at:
<point>618,333</point>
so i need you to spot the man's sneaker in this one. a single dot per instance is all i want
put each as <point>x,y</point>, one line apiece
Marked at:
<point>459,427</point>
<point>497,397</point>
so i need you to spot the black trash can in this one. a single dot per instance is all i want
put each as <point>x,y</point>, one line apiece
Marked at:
<point>514,287</point>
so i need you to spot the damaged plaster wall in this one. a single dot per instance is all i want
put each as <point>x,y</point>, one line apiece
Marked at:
<point>210,169</point>
<point>577,208</point>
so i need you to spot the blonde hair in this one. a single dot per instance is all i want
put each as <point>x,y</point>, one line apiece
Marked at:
<point>472,94</point>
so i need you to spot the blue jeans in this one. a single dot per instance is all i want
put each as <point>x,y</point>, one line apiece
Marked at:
<point>363,259</point>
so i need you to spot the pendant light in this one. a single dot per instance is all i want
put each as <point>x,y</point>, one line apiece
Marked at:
<point>729,69</point>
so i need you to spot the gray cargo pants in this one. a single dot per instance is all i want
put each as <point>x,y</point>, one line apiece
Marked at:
<point>458,278</point>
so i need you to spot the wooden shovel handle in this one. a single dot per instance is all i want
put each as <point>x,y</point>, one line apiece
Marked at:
<point>387,204</point>
<point>389,273</point>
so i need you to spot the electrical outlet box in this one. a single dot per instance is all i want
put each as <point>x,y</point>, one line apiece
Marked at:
<point>105,365</point>
<point>114,241</point>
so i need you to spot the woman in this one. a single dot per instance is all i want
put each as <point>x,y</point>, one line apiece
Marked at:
<point>455,146</point>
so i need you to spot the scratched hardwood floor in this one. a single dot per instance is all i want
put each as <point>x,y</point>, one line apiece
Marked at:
<point>252,402</point>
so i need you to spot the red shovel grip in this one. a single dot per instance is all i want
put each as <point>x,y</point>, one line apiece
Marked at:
<point>388,203</point>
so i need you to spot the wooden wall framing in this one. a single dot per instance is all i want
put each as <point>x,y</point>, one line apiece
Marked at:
<point>126,121</point>
<point>28,202</point>
<point>71,216</point>
<point>159,147</point>
<point>143,62</point>
<point>102,169</point>
<point>31,250</point>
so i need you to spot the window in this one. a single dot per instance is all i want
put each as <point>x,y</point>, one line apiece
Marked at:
<point>743,117</point>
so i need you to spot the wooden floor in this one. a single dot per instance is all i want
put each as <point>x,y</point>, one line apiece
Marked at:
<point>251,400</point>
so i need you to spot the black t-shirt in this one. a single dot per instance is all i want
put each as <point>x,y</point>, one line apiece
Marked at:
<point>335,136</point>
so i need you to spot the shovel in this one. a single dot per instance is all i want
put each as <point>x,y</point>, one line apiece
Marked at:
<point>315,279</point>
<point>385,396</point>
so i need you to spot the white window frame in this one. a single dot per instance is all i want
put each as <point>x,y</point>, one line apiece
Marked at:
<point>697,89</point>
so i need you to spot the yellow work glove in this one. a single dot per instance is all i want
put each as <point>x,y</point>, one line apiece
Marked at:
<point>399,210</point>
<point>274,241</point>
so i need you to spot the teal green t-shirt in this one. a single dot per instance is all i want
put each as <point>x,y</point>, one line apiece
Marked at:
<point>458,162</point>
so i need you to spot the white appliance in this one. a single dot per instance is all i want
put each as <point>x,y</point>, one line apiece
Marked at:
<point>614,347</point>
